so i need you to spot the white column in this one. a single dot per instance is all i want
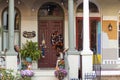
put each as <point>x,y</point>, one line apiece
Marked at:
<point>11,25</point>
<point>71,30</point>
<point>86,52</point>
<point>86,38</point>
<point>73,57</point>
<point>11,55</point>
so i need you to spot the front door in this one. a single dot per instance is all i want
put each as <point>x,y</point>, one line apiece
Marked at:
<point>45,30</point>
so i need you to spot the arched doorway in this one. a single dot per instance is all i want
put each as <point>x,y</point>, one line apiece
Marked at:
<point>50,20</point>
<point>95,32</point>
<point>17,23</point>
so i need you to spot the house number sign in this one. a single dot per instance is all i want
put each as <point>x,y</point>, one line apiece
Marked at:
<point>27,34</point>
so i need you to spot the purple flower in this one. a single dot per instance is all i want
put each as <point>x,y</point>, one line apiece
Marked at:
<point>61,73</point>
<point>28,73</point>
<point>22,73</point>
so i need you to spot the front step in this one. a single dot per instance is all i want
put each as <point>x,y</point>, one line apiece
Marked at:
<point>44,75</point>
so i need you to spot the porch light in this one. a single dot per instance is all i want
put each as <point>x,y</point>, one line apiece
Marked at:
<point>19,2</point>
<point>7,1</point>
<point>62,2</point>
<point>109,27</point>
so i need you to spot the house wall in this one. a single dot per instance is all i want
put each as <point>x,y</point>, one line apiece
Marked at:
<point>109,40</point>
<point>110,44</point>
<point>109,8</point>
<point>29,19</point>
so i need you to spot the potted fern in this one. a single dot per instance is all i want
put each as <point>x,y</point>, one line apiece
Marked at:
<point>30,50</point>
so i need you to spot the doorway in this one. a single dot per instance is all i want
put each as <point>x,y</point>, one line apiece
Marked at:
<point>50,19</point>
<point>93,33</point>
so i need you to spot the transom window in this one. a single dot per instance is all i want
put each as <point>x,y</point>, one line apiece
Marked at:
<point>92,7</point>
<point>50,9</point>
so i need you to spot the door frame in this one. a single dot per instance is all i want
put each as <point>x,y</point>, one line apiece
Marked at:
<point>77,33</point>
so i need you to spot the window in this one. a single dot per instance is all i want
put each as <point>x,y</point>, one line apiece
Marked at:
<point>50,9</point>
<point>5,28</point>
<point>92,7</point>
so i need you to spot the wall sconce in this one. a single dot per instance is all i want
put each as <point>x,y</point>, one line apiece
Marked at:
<point>110,27</point>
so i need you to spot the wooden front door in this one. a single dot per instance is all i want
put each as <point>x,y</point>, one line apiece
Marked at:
<point>45,30</point>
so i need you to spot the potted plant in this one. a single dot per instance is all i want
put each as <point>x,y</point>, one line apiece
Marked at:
<point>30,51</point>
<point>60,74</point>
<point>60,71</point>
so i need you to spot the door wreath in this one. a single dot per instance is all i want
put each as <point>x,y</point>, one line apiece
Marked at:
<point>57,41</point>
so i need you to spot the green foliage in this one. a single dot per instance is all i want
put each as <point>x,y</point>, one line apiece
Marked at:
<point>30,49</point>
<point>8,74</point>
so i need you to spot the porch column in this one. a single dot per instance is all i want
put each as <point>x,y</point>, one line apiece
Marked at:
<point>72,52</point>
<point>86,53</point>
<point>71,29</point>
<point>11,55</point>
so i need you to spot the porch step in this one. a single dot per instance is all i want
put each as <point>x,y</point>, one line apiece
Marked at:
<point>44,75</point>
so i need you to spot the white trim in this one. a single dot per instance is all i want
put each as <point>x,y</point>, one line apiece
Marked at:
<point>110,18</point>
<point>78,14</point>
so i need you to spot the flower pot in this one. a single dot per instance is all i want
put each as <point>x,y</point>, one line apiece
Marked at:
<point>28,59</point>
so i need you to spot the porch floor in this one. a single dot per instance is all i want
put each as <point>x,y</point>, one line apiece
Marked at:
<point>110,77</point>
